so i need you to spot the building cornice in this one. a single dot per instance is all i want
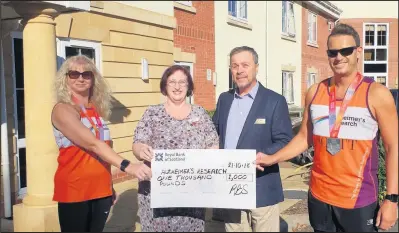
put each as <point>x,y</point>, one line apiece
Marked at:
<point>326,7</point>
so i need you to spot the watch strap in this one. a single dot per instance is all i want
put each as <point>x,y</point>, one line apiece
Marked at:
<point>124,164</point>
<point>392,197</point>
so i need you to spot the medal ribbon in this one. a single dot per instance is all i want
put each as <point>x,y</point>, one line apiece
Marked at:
<point>96,116</point>
<point>334,120</point>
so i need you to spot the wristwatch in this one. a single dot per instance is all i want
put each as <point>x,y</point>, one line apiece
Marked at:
<point>392,197</point>
<point>124,164</point>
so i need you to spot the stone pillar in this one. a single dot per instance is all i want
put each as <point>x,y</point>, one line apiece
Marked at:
<point>38,212</point>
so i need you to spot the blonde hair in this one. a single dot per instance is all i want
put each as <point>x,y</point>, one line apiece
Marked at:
<point>100,93</point>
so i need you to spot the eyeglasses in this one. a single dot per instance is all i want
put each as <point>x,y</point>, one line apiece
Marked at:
<point>73,74</point>
<point>181,83</point>
<point>344,51</point>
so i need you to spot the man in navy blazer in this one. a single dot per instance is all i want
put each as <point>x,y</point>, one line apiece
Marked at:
<point>253,117</point>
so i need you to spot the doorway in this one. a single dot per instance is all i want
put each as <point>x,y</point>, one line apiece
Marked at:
<point>19,111</point>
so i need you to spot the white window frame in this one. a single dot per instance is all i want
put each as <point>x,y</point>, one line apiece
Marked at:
<point>286,18</point>
<point>330,26</point>
<point>66,42</point>
<point>312,39</point>
<point>237,16</point>
<point>21,142</point>
<point>186,3</point>
<point>191,65</point>
<point>290,91</point>
<point>311,79</point>
<point>375,46</point>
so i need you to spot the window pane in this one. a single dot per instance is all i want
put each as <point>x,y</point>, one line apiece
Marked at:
<point>369,34</point>
<point>21,113</point>
<point>284,16</point>
<point>375,68</point>
<point>291,19</point>
<point>382,80</point>
<point>369,54</point>
<point>71,51</point>
<point>88,52</point>
<point>22,167</point>
<point>19,63</point>
<point>382,35</point>
<point>291,87</point>
<point>381,54</point>
<point>232,8</point>
<point>309,27</point>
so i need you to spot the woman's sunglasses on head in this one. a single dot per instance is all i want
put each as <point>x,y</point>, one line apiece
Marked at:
<point>73,74</point>
<point>344,51</point>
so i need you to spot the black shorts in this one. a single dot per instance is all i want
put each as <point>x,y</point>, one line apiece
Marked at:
<point>327,218</point>
<point>87,216</point>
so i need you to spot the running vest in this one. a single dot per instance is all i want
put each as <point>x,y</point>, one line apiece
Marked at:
<point>81,176</point>
<point>347,179</point>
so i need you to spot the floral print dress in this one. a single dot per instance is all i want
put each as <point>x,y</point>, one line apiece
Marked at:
<point>161,131</point>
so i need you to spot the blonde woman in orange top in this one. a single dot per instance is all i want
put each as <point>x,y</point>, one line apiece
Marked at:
<point>83,180</point>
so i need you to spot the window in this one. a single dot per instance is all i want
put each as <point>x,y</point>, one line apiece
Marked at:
<point>188,66</point>
<point>330,26</point>
<point>238,9</point>
<point>312,28</point>
<point>288,86</point>
<point>68,47</point>
<point>187,3</point>
<point>311,79</point>
<point>288,19</point>
<point>19,115</point>
<point>375,55</point>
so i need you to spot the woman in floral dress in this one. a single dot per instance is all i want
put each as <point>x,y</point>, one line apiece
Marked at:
<point>172,125</point>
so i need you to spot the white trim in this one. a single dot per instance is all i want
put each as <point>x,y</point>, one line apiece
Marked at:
<point>311,14</point>
<point>20,141</point>
<point>237,17</point>
<point>64,42</point>
<point>191,65</point>
<point>288,33</point>
<point>376,47</point>
<point>374,76</point>
<point>326,7</point>
<point>289,90</point>
<point>312,76</point>
<point>186,3</point>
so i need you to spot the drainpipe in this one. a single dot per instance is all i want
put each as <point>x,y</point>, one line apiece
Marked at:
<point>5,158</point>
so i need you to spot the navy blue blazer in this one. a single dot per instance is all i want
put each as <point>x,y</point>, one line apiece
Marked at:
<point>267,138</point>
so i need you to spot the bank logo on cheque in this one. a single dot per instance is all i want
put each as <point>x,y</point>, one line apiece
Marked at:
<point>175,156</point>
<point>158,156</point>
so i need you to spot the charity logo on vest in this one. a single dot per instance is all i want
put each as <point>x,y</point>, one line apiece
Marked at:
<point>352,121</point>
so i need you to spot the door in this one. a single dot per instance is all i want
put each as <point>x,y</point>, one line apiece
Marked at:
<point>188,66</point>
<point>19,111</point>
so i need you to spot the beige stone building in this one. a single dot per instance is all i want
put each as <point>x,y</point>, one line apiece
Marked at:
<point>131,43</point>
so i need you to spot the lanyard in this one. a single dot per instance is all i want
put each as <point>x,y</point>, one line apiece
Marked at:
<point>335,121</point>
<point>96,116</point>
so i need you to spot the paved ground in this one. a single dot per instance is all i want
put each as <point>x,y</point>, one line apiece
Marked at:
<point>123,217</point>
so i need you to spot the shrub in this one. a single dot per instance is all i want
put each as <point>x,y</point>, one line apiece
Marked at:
<point>210,112</point>
<point>382,183</point>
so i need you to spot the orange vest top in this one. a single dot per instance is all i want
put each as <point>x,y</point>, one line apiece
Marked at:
<point>81,176</point>
<point>347,179</point>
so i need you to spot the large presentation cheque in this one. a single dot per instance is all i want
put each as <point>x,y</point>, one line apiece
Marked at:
<point>204,178</point>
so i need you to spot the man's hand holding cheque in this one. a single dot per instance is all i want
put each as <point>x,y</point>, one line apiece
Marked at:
<point>264,160</point>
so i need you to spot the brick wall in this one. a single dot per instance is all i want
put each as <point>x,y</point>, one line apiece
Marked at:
<point>314,57</point>
<point>195,34</point>
<point>392,46</point>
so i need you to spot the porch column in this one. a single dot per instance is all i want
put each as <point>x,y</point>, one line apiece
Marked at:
<point>38,212</point>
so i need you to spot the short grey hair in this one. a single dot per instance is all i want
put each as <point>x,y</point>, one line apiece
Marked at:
<point>242,49</point>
